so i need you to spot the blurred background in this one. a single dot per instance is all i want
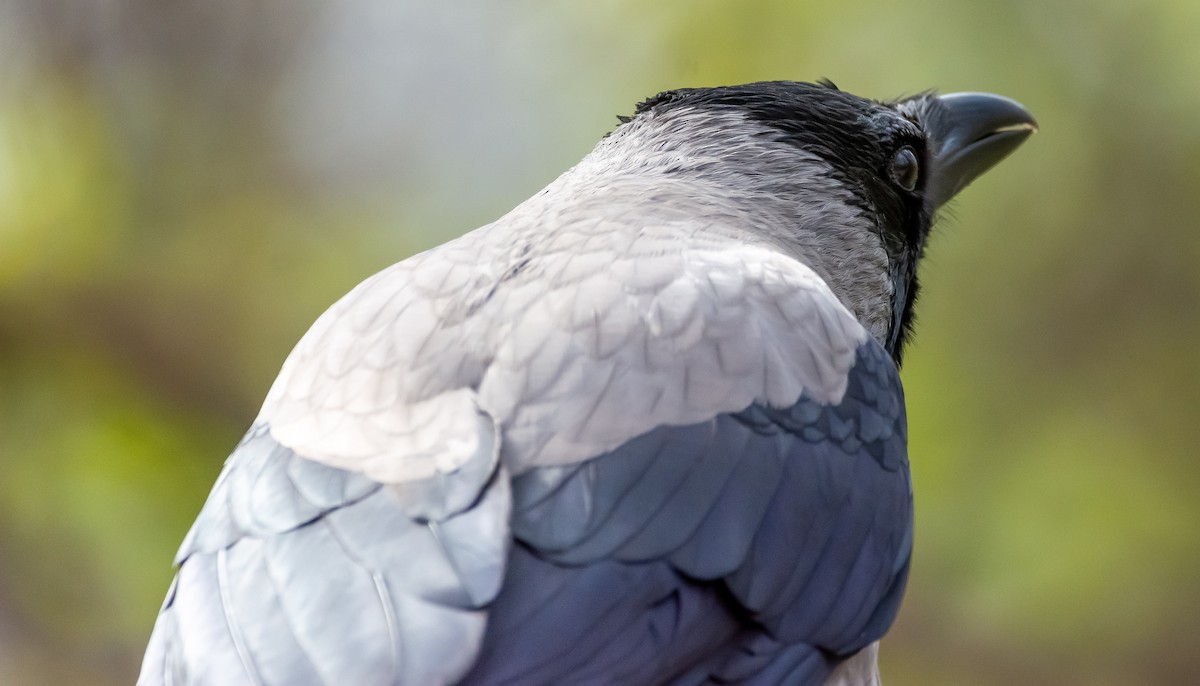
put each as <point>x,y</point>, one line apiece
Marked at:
<point>185,186</point>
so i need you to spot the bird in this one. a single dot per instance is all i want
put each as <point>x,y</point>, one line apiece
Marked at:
<point>645,428</point>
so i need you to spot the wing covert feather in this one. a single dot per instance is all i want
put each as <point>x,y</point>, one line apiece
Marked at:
<point>297,572</point>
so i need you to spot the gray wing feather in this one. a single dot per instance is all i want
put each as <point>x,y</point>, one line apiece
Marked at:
<point>794,522</point>
<point>602,623</point>
<point>301,573</point>
<point>266,489</point>
<point>648,498</point>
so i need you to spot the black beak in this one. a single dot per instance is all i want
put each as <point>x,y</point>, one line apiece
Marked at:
<point>968,134</point>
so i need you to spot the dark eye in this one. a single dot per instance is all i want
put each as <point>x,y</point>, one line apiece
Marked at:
<point>905,170</point>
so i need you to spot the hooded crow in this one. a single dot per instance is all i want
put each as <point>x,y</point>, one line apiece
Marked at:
<point>646,428</point>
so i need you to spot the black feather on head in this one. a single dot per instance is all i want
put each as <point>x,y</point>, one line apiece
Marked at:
<point>859,139</point>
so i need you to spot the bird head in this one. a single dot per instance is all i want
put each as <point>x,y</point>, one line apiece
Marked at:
<point>848,185</point>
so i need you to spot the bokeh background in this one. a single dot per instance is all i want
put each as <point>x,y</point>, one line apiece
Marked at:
<point>185,186</point>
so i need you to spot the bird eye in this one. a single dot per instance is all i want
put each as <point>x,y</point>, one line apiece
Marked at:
<point>905,169</point>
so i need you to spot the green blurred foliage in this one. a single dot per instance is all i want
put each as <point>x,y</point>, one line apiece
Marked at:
<point>164,240</point>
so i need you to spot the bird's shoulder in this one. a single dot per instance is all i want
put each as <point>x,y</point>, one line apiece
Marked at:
<point>559,336</point>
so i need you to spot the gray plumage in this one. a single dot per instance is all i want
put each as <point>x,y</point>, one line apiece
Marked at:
<point>646,428</point>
